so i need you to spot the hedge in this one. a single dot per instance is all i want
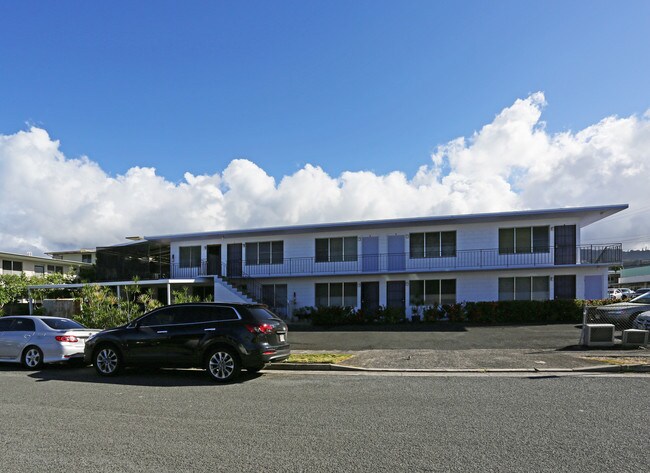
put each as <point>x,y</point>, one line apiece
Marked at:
<point>476,313</point>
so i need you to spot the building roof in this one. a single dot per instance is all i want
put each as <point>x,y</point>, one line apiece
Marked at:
<point>585,215</point>
<point>39,259</point>
<point>72,252</point>
<point>638,271</point>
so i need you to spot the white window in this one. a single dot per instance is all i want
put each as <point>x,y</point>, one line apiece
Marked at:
<point>336,294</point>
<point>190,256</point>
<point>524,240</point>
<point>336,249</point>
<point>265,252</point>
<point>525,288</point>
<point>432,244</point>
<point>431,292</point>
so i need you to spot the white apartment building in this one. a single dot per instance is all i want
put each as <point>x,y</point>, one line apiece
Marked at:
<point>408,262</point>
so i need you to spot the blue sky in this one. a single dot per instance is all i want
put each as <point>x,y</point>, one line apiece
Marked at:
<point>294,112</point>
<point>345,85</point>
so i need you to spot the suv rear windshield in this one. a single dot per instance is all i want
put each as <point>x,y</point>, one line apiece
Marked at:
<point>260,313</point>
<point>62,324</point>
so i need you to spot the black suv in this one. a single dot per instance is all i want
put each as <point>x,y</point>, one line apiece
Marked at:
<point>222,338</point>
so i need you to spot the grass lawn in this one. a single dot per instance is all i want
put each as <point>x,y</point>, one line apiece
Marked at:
<point>318,358</point>
<point>628,360</point>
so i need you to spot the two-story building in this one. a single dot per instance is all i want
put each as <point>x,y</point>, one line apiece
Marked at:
<point>408,262</point>
<point>83,255</point>
<point>14,263</point>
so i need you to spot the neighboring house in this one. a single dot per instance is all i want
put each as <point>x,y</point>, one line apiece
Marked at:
<point>82,256</point>
<point>635,278</point>
<point>406,263</point>
<point>13,263</point>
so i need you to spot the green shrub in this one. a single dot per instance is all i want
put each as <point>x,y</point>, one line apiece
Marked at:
<point>100,309</point>
<point>183,296</point>
<point>520,312</point>
<point>391,315</point>
<point>329,316</point>
<point>303,313</point>
<point>479,313</point>
<point>433,314</point>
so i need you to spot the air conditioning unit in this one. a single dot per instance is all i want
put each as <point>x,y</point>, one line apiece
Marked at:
<point>635,337</point>
<point>598,335</point>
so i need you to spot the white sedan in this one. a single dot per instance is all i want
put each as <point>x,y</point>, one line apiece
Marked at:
<point>34,340</point>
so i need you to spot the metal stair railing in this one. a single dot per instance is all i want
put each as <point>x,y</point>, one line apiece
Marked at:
<point>241,281</point>
<point>248,279</point>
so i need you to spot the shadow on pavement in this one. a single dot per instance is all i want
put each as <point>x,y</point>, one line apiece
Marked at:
<point>618,347</point>
<point>140,376</point>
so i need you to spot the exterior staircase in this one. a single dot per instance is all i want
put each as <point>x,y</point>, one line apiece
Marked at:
<point>226,292</point>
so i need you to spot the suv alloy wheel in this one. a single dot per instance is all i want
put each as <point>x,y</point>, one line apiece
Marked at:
<point>222,365</point>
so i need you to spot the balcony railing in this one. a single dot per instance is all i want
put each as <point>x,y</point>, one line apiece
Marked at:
<point>402,262</point>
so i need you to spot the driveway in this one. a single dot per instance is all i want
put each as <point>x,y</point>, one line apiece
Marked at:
<point>437,338</point>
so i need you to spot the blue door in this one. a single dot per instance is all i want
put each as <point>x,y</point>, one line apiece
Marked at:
<point>370,254</point>
<point>396,253</point>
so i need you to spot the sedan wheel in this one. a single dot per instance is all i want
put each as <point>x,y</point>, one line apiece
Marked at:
<point>32,358</point>
<point>223,365</point>
<point>107,361</point>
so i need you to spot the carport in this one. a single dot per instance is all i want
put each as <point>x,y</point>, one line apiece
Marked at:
<point>168,283</point>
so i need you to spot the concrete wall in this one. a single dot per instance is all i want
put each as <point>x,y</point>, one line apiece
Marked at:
<point>61,307</point>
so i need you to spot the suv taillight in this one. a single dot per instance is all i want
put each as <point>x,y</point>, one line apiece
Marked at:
<point>261,328</point>
<point>66,338</point>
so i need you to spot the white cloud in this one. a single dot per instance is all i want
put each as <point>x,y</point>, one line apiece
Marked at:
<point>50,202</point>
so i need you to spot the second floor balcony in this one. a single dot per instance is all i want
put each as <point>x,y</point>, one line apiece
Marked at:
<point>465,260</point>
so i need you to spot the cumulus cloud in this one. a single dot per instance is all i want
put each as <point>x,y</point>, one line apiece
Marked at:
<point>52,202</point>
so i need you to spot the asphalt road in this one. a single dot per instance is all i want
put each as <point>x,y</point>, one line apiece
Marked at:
<point>456,338</point>
<point>176,420</point>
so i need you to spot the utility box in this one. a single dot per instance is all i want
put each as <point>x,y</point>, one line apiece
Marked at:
<point>635,337</point>
<point>598,335</point>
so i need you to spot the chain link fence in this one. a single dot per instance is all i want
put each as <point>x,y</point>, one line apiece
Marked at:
<point>622,316</point>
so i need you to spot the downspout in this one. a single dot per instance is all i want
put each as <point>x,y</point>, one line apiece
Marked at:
<point>29,300</point>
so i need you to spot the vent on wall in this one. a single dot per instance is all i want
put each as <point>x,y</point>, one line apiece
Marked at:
<point>598,335</point>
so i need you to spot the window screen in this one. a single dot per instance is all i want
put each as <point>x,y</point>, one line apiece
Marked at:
<point>190,256</point>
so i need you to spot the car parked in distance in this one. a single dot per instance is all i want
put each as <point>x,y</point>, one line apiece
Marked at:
<point>34,340</point>
<point>219,337</point>
<point>614,293</point>
<point>622,314</point>
<point>642,290</point>
<point>628,293</point>
<point>642,322</point>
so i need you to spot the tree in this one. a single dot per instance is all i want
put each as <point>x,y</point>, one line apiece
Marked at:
<point>13,288</point>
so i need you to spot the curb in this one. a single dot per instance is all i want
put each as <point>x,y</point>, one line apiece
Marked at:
<point>631,368</point>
